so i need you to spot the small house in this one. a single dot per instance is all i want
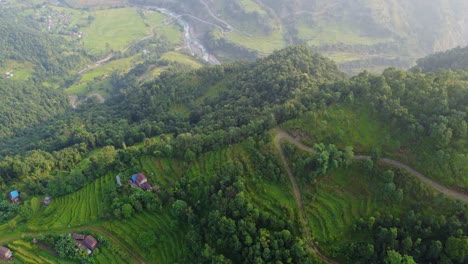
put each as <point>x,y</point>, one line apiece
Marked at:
<point>14,196</point>
<point>46,201</point>
<point>90,242</point>
<point>77,236</point>
<point>5,253</point>
<point>140,180</point>
<point>85,243</point>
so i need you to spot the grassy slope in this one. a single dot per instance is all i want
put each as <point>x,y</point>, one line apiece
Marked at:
<point>358,127</point>
<point>102,72</point>
<point>172,32</point>
<point>182,59</point>
<point>116,27</point>
<point>347,126</point>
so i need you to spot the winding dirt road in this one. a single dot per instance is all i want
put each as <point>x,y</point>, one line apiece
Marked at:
<point>282,135</point>
<point>230,28</point>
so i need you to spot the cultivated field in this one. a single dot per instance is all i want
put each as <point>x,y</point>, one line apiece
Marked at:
<point>114,29</point>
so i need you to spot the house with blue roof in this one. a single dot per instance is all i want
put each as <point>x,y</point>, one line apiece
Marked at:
<point>14,196</point>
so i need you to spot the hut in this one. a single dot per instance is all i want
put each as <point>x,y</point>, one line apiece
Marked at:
<point>46,201</point>
<point>90,242</point>
<point>14,196</point>
<point>5,253</point>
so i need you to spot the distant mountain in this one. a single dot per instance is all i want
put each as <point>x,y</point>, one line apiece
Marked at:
<point>454,59</point>
<point>358,34</point>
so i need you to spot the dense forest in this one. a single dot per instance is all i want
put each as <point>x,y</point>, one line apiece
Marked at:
<point>454,59</point>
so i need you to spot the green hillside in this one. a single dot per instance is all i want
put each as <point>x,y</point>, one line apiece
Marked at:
<point>454,59</point>
<point>270,161</point>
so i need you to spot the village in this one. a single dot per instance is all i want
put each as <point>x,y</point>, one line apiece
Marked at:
<point>83,242</point>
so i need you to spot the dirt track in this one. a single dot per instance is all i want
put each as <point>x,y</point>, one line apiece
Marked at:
<point>282,135</point>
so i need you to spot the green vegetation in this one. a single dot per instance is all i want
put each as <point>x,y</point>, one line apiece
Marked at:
<point>114,29</point>
<point>181,59</point>
<point>454,59</point>
<point>221,193</point>
<point>329,32</point>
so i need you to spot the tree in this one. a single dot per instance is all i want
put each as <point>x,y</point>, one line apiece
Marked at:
<point>127,210</point>
<point>65,246</point>
<point>393,257</point>
<point>457,249</point>
<point>146,239</point>
<point>179,207</point>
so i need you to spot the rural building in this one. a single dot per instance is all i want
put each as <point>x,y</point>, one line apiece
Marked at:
<point>5,253</point>
<point>9,74</point>
<point>14,196</point>
<point>46,201</point>
<point>90,242</point>
<point>85,243</point>
<point>77,236</point>
<point>140,180</point>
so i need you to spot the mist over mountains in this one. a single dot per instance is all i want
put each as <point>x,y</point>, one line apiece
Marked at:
<point>358,34</point>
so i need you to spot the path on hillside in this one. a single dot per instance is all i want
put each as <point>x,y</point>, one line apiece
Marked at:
<point>111,55</point>
<point>99,97</point>
<point>282,135</point>
<point>449,192</point>
<point>230,28</point>
<point>95,229</point>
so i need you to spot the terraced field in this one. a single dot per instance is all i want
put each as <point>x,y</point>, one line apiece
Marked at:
<point>162,172</point>
<point>79,208</point>
<point>169,235</point>
<point>26,252</point>
<point>340,199</point>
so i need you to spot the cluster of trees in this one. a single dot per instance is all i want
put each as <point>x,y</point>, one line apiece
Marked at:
<point>25,104</point>
<point>65,247</point>
<point>321,163</point>
<point>225,227</point>
<point>127,201</point>
<point>7,209</point>
<point>454,59</point>
<point>420,228</point>
<point>426,238</point>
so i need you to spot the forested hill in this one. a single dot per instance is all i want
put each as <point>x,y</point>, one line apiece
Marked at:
<point>240,94</point>
<point>23,41</point>
<point>454,59</point>
<point>25,104</point>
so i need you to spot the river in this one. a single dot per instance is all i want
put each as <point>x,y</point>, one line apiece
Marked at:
<point>194,45</point>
